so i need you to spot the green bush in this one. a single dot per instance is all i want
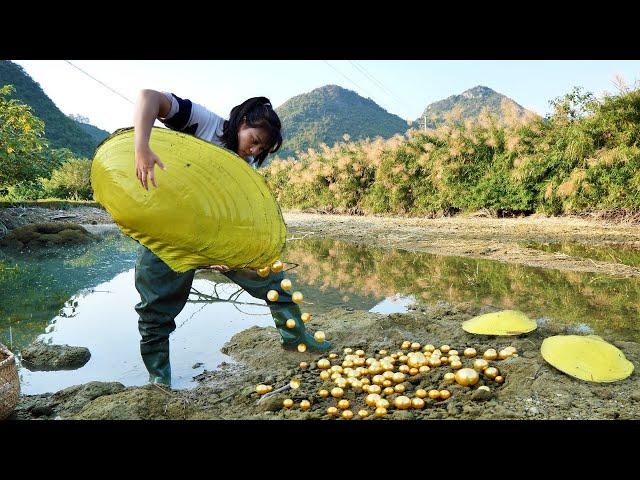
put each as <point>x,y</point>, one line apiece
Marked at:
<point>72,181</point>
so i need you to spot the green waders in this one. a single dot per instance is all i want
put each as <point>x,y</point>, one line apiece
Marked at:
<point>164,293</point>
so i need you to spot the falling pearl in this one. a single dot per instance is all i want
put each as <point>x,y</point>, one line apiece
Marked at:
<point>297,297</point>
<point>277,266</point>
<point>263,272</point>
<point>304,365</point>
<point>444,394</point>
<point>480,364</point>
<point>470,352</point>
<point>417,403</point>
<point>467,376</point>
<point>287,403</point>
<point>306,317</point>
<point>337,392</point>
<point>323,393</point>
<point>332,411</point>
<point>285,284</point>
<point>343,404</point>
<point>491,373</point>
<point>302,348</point>
<point>402,402</point>
<point>363,413</point>
<point>305,405</point>
<point>490,354</point>
<point>449,377</point>
<point>291,323</point>
<point>420,393</point>
<point>273,295</point>
<point>380,412</point>
<point>499,379</point>
<point>434,394</point>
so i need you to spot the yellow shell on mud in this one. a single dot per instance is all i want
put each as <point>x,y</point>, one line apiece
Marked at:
<point>586,357</point>
<point>210,206</point>
<point>506,322</point>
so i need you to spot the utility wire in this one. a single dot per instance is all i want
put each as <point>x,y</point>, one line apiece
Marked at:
<point>365,91</point>
<point>378,82</point>
<point>101,83</point>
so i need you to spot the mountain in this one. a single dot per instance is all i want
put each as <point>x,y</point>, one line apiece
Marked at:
<point>469,104</point>
<point>60,130</point>
<point>325,114</point>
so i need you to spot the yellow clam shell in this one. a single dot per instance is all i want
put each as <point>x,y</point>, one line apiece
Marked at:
<point>506,322</point>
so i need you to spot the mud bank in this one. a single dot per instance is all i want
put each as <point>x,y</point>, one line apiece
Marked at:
<point>532,389</point>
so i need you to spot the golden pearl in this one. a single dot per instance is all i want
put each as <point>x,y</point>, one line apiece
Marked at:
<point>399,377</point>
<point>302,347</point>
<point>403,359</point>
<point>387,367</point>
<point>363,413</point>
<point>365,381</point>
<point>491,373</point>
<point>332,411</point>
<point>504,354</point>
<point>429,348</point>
<point>499,379</point>
<point>444,394</point>
<point>347,414</point>
<point>444,360</point>
<point>469,352</point>
<point>415,346</point>
<point>335,375</point>
<point>291,323</point>
<point>480,364</point>
<point>305,405</point>
<point>374,389</point>
<point>324,375</point>
<point>357,386</point>
<point>420,393</point>
<point>306,317</point>
<point>263,272</point>
<point>490,354</point>
<point>297,297</point>
<point>341,383</point>
<point>417,403</point>
<point>348,350</point>
<point>359,361</point>
<point>371,399</point>
<point>287,403</point>
<point>454,358</point>
<point>399,354</point>
<point>388,375</point>
<point>273,295</point>
<point>387,383</point>
<point>262,389</point>
<point>337,392</point>
<point>424,369</point>
<point>365,387</point>
<point>413,371</point>
<point>434,394</point>
<point>369,361</point>
<point>436,353</point>
<point>304,365</point>
<point>294,383</point>
<point>323,364</point>
<point>402,402</point>
<point>336,369</point>
<point>456,365</point>
<point>449,377</point>
<point>445,348</point>
<point>382,352</point>
<point>380,412</point>
<point>388,391</point>
<point>416,360</point>
<point>453,353</point>
<point>377,379</point>
<point>382,403</point>
<point>323,393</point>
<point>285,284</point>
<point>332,355</point>
<point>405,345</point>
<point>360,353</point>
<point>343,404</point>
<point>394,356</point>
<point>435,362</point>
<point>511,349</point>
<point>347,363</point>
<point>467,377</point>
<point>277,266</point>
<point>398,388</point>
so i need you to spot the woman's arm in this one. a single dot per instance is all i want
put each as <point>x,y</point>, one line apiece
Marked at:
<point>149,106</point>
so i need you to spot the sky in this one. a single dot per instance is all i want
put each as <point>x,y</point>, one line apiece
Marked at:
<point>402,87</point>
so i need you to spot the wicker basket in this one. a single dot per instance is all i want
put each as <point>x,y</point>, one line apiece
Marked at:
<point>9,382</point>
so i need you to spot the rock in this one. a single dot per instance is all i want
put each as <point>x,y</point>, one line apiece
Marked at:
<point>402,415</point>
<point>43,357</point>
<point>635,396</point>
<point>41,410</point>
<point>453,409</point>
<point>603,393</point>
<point>532,411</point>
<point>73,399</point>
<point>481,395</point>
<point>271,404</point>
<point>197,365</point>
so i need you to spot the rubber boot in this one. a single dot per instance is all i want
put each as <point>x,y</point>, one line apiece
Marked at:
<point>281,310</point>
<point>158,366</point>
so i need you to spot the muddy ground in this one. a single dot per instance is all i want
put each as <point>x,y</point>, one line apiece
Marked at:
<point>532,389</point>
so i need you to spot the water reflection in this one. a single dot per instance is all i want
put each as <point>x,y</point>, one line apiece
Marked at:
<point>617,253</point>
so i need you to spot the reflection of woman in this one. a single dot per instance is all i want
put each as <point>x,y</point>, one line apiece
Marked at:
<point>252,131</point>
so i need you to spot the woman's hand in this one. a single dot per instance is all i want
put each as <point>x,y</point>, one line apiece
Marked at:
<point>145,162</point>
<point>217,268</point>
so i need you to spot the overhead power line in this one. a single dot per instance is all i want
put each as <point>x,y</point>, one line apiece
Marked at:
<point>101,83</point>
<point>365,91</point>
<point>378,83</point>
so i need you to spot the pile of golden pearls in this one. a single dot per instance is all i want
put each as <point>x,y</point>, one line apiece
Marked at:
<point>382,379</point>
<point>296,297</point>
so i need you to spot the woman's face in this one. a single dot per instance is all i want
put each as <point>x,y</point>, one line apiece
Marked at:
<point>251,141</point>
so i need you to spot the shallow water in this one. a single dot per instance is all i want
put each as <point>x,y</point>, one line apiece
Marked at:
<point>85,296</point>
<point>615,253</point>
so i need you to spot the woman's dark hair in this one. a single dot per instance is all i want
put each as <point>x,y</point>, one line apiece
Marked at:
<point>258,113</point>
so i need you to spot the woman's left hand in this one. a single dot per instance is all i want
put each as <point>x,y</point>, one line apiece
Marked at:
<point>217,268</point>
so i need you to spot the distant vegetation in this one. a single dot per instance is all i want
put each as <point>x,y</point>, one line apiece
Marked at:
<point>583,157</point>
